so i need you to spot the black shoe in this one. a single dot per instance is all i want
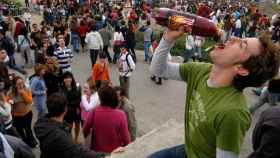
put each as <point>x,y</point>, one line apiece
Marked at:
<point>153,78</point>
<point>33,144</point>
<point>158,82</point>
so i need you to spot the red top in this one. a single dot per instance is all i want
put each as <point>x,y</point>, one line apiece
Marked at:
<point>83,31</point>
<point>110,129</point>
<point>114,16</point>
<point>18,28</point>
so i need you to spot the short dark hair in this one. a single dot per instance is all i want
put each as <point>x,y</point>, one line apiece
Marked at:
<point>122,91</point>
<point>108,97</point>
<point>102,55</point>
<point>261,67</point>
<point>93,28</point>
<point>56,104</point>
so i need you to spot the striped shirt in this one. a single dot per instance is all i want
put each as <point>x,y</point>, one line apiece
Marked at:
<point>64,57</point>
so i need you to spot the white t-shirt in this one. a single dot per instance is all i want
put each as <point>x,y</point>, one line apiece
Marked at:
<point>238,24</point>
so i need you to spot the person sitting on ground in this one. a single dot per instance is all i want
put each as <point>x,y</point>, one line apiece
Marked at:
<point>54,135</point>
<point>108,136</point>
<point>129,109</point>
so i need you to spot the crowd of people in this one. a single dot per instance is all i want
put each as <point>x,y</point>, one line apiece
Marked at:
<point>103,110</point>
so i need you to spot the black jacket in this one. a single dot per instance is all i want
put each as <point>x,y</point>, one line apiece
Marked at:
<point>130,39</point>
<point>266,136</point>
<point>56,141</point>
<point>52,83</point>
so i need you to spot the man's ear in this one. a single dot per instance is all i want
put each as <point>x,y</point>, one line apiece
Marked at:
<point>240,70</point>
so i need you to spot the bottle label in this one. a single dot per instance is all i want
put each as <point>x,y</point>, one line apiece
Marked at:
<point>175,22</point>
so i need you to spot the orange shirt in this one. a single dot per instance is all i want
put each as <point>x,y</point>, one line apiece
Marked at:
<point>22,103</point>
<point>100,72</point>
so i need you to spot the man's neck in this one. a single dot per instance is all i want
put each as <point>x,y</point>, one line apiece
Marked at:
<point>61,47</point>
<point>57,119</point>
<point>220,77</point>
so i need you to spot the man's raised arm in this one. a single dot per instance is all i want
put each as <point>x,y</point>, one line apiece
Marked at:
<point>160,65</point>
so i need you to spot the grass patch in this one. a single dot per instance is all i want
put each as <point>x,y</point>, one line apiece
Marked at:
<point>276,7</point>
<point>179,47</point>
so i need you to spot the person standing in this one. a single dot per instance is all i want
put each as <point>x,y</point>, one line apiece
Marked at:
<point>83,29</point>
<point>100,71</point>
<point>74,34</point>
<point>125,66</point>
<point>106,137</point>
<point>36,40</point>
<point>7,46</point>
<point>118,40</point>
<point>55,136</point>
<point>190,44</point>
<point>89,100</point>
<point>21,111</point>
<point>64,56</point>
<point>73,94</point>
<point>148,33</point>
<point>129,109</point>
<point>6,119</point>
<point>51,77</point>
<point>27,19</point>
<point>39,90</point>
<point>217,115</point>
<point>24,48</point>
<point>106,37</point>
<point>95,44</point>
<point>130,40</point>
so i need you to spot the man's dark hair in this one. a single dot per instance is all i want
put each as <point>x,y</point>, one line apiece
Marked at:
<point>93,28</point>
<point>108,97</point>
<point>261,67</point>
<point>56,104</point>
<point>102,55</point>
<point>122,91</point>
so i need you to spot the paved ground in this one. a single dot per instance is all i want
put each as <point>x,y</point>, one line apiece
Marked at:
<point>154,104</point>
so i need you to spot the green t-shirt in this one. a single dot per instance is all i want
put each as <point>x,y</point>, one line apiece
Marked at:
<point>214,117</point>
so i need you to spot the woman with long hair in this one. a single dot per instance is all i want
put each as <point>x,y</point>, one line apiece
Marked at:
<point>39,90</point>
<point>22,114</point>
<point>51,77</point>
<point>72,92</point>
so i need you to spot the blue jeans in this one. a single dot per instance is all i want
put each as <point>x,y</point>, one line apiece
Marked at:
<point>173,152</point>
<point>75,41</point>
<point>40,104</point>
<point>147,45</point>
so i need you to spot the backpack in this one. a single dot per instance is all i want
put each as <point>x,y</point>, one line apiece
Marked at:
<point>128,64</point>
